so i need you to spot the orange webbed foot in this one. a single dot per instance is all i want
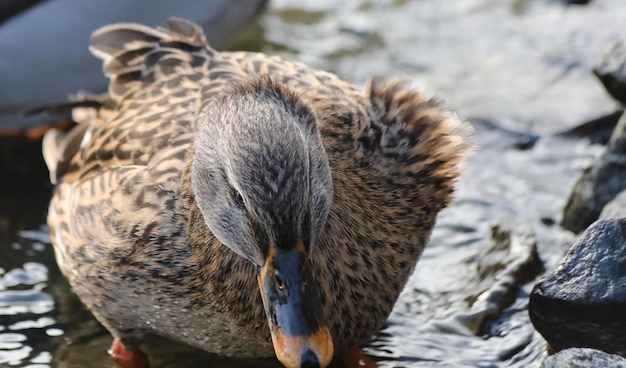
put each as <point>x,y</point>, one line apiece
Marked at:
<point>127,358</point>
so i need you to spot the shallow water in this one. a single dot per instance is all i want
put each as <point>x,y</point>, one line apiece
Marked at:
<point>520,70</point>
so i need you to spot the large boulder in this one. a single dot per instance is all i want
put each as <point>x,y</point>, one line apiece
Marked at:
<point>583,358</point>
<point>582,302</point>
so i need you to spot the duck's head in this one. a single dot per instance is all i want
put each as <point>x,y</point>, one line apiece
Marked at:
<point>263,184</point>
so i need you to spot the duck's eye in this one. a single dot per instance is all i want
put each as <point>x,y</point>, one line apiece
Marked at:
<point>279,282</point>
<point>239,199</point>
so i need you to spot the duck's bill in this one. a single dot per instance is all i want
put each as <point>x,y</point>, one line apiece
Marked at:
<point>294,311</point>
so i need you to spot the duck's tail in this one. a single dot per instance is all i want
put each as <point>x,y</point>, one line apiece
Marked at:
<point>416,130</point>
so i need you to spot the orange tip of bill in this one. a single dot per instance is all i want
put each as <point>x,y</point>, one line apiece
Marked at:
<point>315,350</point>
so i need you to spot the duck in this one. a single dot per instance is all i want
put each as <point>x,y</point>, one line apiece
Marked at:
<point>64,46</point>
<point>242,203</point>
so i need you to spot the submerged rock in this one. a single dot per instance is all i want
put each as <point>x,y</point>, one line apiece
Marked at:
<point>599,184</point>
<point>509,261</point>
<point>582,302</point>
<point>610,68</point>
<point>598,130</point>
<point>577,2</point>
<point>583,358</point>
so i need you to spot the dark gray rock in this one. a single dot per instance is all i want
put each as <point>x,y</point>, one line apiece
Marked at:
<point>610,68</point>
<point>598,130</point>
<point>583,358</point>
<point>616,207</point>
<point>508,261</point>
<point>582,302</point>
<point>599,184</point>
<point>576,2</point>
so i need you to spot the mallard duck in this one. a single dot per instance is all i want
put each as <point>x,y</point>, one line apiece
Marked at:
<point>245,204</point>
<point>58,32</point>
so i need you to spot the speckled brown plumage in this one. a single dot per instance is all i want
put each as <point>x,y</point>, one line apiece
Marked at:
<point>133,243</point>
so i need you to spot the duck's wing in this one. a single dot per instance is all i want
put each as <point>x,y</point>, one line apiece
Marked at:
<point>118,171</point>
<point>154,97</point>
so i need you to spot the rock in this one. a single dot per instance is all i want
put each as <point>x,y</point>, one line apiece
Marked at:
<point>521,140</point>
<point>503,267</point>
<point>43,60</point>
<point>610,68</point>
<point>598,130</point>
<point>599,183</point>
<point>583,358</point>
<point>582,302</point>
<point>577,2</point>
<point>616,207</point>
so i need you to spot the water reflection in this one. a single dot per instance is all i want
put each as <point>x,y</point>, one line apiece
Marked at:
<point>25,314</point>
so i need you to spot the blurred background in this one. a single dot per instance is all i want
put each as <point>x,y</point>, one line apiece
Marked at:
<point>519,70</point>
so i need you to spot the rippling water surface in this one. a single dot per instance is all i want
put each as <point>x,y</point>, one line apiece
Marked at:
<point>519,70</point>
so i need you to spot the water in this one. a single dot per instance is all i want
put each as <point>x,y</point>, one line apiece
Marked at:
<point>28,327</point>
<point>518,69</point>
